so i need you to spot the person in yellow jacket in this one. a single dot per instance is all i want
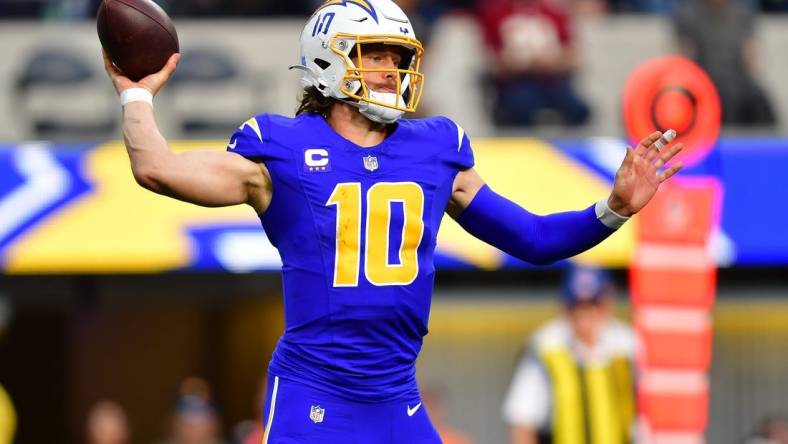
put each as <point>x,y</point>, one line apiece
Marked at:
<point>7,412</point>
<point>575,383</point>
<point>7,418</point>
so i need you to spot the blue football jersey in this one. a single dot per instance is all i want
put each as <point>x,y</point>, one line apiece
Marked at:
<point>356,229</point>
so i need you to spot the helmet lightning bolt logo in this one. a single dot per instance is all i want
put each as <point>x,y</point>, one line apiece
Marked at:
<point>366,5</point>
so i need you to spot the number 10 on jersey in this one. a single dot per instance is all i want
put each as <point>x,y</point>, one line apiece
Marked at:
<point>347,198</point>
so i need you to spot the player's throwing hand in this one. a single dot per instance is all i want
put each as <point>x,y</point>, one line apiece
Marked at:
<point>153,83</point>
<point>639,177</point>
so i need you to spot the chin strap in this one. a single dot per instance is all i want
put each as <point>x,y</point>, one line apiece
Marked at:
<point>378,113</point>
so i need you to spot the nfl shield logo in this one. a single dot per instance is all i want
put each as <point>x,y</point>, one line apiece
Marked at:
<point>316,414</point>
<point>371,163</point>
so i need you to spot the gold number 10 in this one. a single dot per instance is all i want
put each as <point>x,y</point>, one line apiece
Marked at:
<point>347,198</point>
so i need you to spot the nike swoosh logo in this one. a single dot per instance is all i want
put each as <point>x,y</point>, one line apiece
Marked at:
<point>233,144</point>
<point>412,411</point>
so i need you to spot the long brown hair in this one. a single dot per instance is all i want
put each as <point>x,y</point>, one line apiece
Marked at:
<point>312,101</point>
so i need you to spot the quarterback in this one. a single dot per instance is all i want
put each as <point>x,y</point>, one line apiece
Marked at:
<point>352,195</point>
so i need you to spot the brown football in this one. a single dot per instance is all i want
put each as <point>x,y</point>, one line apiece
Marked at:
<point>137,35</point>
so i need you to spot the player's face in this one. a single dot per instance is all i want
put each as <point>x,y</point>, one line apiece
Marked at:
<point>380,57</point>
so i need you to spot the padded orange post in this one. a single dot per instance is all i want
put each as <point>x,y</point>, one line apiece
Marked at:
<point>687,412</point>
<point>673,279</point>
<point>673,284</point>
<point>678,349</point>
<point>683,213</point>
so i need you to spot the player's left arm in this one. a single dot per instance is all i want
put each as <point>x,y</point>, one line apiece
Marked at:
<point>545,239</point>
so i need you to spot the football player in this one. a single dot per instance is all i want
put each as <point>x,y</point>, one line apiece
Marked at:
<point>352,196</point>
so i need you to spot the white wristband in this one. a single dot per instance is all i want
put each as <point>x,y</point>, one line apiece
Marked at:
<point>610,218</point>
<point>136,95</point>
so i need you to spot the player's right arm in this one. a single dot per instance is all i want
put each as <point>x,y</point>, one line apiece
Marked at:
<point>545,239</point>
<point>208,178</point>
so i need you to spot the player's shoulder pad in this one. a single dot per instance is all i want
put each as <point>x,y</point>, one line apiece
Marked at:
<point>442,128</point>
<point>456,134</point>
<point>284,130</point>
<point>253,138</point>
<point>252,133</point>
<point>447,137</point>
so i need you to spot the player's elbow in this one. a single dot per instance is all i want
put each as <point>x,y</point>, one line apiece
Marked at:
<point>148,177</point>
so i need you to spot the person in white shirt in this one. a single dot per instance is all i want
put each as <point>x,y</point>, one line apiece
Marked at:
<point>574,384</point>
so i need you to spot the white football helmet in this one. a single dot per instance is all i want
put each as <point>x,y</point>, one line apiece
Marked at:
<point>337,31</point>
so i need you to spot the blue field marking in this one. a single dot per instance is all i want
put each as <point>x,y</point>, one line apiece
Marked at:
<point>37,182</point>
<point>755,200</point>
<point>239,248</point>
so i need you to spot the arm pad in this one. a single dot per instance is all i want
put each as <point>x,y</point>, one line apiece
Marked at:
<point>536,239</point>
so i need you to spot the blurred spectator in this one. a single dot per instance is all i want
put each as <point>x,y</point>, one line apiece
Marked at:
<point>718,35</point>
<point>73,9</point>
<point>107,424</point>
<point>431,10</point>
<point>433,401</point>
<point>195,420</point>
<point>774,5</point>
<point>589,7</point>
<point>255,433</point>
<point>535,59</point>
<point>22,8</point>
<point>642,6</point>
<point>773,430</point>
<point>7,411</point>
<point>576,378</point>
<point>240,8</point>
<point>7,418</point>
<point>599,7</point>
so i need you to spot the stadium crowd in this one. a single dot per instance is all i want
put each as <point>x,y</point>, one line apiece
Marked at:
<point>245,8</point>
<point>533,45</point>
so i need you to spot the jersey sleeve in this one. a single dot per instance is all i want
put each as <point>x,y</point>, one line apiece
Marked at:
<point>250,139</point>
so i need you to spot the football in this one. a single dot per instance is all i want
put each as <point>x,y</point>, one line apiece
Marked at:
<point>137,35</point>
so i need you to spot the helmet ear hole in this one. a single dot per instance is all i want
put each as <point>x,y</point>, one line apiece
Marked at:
<point>322,64</point>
